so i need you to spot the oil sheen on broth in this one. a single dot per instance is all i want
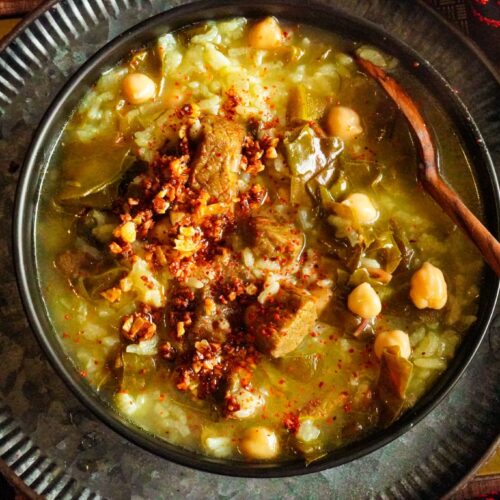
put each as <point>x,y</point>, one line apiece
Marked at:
<point>234,250</point>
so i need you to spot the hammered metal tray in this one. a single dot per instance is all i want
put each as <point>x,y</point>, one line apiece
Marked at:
<point>59,449</point>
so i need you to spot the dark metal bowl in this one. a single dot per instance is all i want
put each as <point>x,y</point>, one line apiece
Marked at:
<point>46,138</point>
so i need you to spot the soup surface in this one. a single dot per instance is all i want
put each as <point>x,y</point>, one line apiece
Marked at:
<point>235,251</point>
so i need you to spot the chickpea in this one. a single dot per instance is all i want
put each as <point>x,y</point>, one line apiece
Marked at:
<point>364,301</point>
<point>393,338</point>
<point>361,207</point>
<point>259,443</point>
<point>428,287</point>
<point>343,122</point>
<point>138,88</point>
<point>265,34</point>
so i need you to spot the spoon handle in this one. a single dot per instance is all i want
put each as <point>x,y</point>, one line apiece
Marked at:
<point>428,172</point>
<point>463,217</point>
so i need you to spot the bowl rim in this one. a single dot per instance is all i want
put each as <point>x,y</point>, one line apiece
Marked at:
<point>24,257</point>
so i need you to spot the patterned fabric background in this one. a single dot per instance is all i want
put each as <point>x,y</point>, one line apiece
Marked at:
<point>453,10</point>
<point>479,19</point>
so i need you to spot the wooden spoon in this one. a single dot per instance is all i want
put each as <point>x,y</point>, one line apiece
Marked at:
<point>428,172</point>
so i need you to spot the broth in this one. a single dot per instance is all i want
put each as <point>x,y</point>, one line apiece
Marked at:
<point>226,259</point>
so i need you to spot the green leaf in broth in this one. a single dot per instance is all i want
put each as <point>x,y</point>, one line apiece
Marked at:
<point>100,200</point>
<point>90,169</point>
<point>312,162</point>
<point>340,186</point>
<point>326,198</point>
<point>92,286</point>
<point>361,275</point>
<point>403,244</point>
<point>385,250</point>
<point>302,150</point>
<point>362,173</point>
<point>393,382</point>
<point>304,106</point>
<point>331,148</point>
<point>95,226</point>
<point>298,193</point>
<point>309,155</point>
<point>134,371</point>
<point>299,367</point>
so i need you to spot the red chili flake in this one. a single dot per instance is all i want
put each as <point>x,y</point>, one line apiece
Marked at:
<point>351,350</point>
<point>291,422</point>
<point>83,373</point>
<point>281,381</point>
<point>65,335</point>
<point>321,384</point>
<point>67,316</point>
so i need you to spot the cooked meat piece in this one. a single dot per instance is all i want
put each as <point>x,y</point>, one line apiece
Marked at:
<point>215,165</point>
<point>211,319</point>
<point>322,297</point>
<point>76,263</point>
<point>280,324</point>
<point>274,239</point>
<point>219,302</point>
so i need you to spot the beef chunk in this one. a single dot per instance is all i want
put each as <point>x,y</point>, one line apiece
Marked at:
<point>215,165</point>
<point>211,319</point>
<point>281,323</point>
<point>76,263</point>
<point>275,240</point>
<point>220,306</point>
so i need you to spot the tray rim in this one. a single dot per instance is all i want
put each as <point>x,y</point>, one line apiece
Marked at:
<point>16,482</point>
<point>23,257</point>
<point>469,476</point>
<point>28,20</point>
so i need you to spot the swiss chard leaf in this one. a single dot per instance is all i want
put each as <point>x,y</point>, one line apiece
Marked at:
<point>394,378</point>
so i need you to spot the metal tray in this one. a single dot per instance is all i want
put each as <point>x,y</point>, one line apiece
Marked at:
<point>58,449</point>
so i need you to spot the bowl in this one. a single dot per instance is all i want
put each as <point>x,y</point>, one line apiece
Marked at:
<point>46,137</point>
